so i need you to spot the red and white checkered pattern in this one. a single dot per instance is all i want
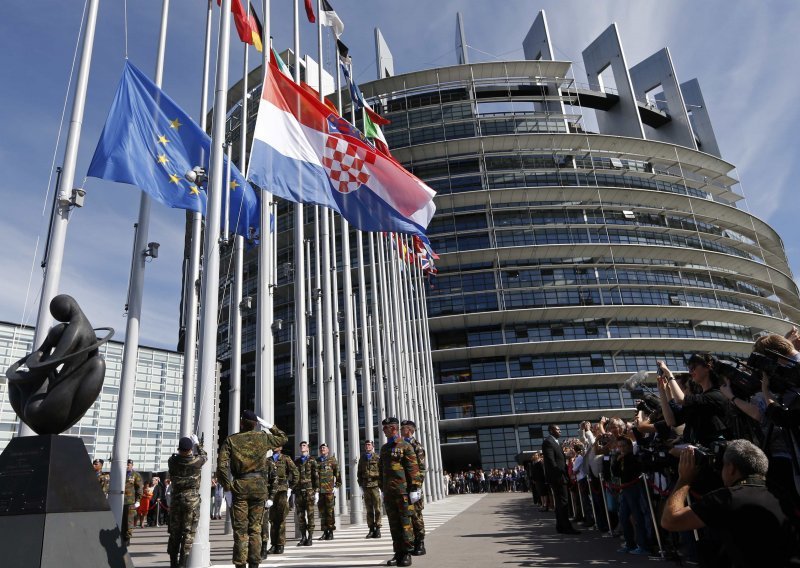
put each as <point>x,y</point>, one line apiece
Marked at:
<point>344,163</point>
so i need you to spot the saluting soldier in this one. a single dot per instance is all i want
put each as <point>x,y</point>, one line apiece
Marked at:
<point>306,494</point>
<point>400,486</point>
<point>285,478</point>
<point>133,494</point>
<point>184,471</point>
<point>369,479</point>
<point>329,480</point>
<point>242,469</point>
<point>103,478</point>
<point>408,430</point>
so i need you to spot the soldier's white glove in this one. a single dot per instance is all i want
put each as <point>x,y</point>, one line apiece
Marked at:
<point>195,439</point>
<point>288,492</point>
<point>316,497</point>
<point>136,505</point>
<point>413,497</point>
<point>264,423</point>
<point>268,504</point>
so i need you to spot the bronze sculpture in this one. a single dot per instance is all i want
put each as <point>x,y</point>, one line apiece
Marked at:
<point>64,375</point>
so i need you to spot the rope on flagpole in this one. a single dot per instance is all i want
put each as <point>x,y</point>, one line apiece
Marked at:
<point>25,312</point>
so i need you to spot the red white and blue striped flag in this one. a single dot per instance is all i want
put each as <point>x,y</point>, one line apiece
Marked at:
<point>304,152</point>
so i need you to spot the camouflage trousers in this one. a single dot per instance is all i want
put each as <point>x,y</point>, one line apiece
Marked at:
<point>417,522</point>
<point>276,527</point>
<point>304,507</point>
<point>247,513</point>
<point>183,520</point>
<point>372,503</point>
<point>399,513</point>
<point>128,521</point>
<point>327,511</point>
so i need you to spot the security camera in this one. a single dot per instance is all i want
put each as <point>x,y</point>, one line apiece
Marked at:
<point>152,250</point>
<point>78,197</point>
<point>197,175</point>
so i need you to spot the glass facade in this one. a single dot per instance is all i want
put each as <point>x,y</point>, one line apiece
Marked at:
<point>157,401</point>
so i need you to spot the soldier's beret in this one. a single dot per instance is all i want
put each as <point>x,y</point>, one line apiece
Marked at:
<point>249,415</point>
<point>185,444</point>
<point>303,442</point>
<point>130,462</point>
<point>98,460</point>
<point>408,423</point>
<point>323,445</point>
<point>390,420</point>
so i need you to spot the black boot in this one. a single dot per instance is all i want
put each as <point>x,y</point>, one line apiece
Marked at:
<point>173,561</point>
<point>324,535</point>
<point>278,549</point>
<point>272,549</point>
<point>404,559</point>
<point>392,561</point>
<point>371,533</point>
<point>302,541</point>
<point>264,550</point>
<point>377,533</point>
<point>330,534</point>
<point>309,540</point>
<point>419,548</point>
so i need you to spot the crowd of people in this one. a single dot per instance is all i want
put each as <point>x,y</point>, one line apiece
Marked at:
<point>259,480</point>
<point>706,470</point>
<point>476,480</point>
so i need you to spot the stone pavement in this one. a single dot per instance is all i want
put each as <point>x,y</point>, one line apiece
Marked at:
<point>464,531</point>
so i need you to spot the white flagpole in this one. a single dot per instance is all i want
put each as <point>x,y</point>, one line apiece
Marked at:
<point>265,340</point>
<point>366,375</point>
<point>376,334</point>
<point>338,431</point>
<point>403,398</point>
<point>301,353</point>
<point>200,555</point>
<point>130,352</point>
<point>62,197</point>
<point>190,292</point>
<point>324,344</point>
<point>390,335</point>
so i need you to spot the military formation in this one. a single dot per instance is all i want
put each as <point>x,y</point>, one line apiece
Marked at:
<point>261,481</point>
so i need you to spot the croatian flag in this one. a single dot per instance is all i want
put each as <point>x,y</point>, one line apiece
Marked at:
<point>303,152</point>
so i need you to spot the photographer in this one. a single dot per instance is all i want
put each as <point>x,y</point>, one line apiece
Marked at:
<point>747,518</point>
<point>703,415</point>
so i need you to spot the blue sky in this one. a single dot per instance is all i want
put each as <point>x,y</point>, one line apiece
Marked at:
<point>746,56</point>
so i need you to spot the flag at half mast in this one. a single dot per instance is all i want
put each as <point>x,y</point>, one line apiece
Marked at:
<point>305,153</point>
<point>150,142</point>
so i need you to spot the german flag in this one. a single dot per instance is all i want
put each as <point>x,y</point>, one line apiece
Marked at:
<point>247,26</point>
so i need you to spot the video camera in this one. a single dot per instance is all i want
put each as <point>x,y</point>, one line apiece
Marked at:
<point>745,376</point>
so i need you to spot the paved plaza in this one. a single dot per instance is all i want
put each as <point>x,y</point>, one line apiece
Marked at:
<point>464,531</point>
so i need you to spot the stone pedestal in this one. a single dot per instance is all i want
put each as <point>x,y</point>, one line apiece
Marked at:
<point>52,509</point>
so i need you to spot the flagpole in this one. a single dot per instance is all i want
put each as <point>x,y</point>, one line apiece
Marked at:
<point>265,340</point>
<point>130,352</point>
<point>63,204</point>
<point>190,292</point>
<point>200,555</point>
<point>389,330</point>
<point>376,334</point>
<point>403,402</point>
<point>366,375</point>
<point>320,338</point>
<point>338,432</point>
<point>324,345</point>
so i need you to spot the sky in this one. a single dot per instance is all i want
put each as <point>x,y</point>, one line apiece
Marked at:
<point>745,54</point>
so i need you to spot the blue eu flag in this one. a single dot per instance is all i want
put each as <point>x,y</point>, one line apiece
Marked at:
<point>149,142</point>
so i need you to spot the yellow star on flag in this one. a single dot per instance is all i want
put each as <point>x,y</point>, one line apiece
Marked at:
<point>194,190</point>
<point>174,179</point>
<point>162,159</point>
<point>234,185</point>
<point>162,139</point>
<point>175,124</point>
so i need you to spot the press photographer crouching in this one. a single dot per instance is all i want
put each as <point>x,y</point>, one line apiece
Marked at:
<point>746,518</point>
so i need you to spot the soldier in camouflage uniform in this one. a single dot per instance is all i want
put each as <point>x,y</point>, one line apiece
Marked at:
<point>103,478</point>
<point>242,469</point>
<point>369,478</point>
<point>306,494</point>
<point>409,430</point>
<point>184,471</point>
<point>133,494</point>
<point>271,478</point>
<point>329,480</point>
<point>285,478</point>
<point>399,484</point>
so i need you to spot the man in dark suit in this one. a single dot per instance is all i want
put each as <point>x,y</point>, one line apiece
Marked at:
<point>555,468</point>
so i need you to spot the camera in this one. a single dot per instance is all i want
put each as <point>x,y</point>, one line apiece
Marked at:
<point>710,457</point>
<point>745,376</point>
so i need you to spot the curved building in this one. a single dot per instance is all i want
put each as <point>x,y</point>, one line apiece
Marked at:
<point>573,256</point>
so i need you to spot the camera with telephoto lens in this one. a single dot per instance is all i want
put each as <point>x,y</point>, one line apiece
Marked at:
<point>655,458</point>
<point>710,457</point>
<point>745,376</point>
